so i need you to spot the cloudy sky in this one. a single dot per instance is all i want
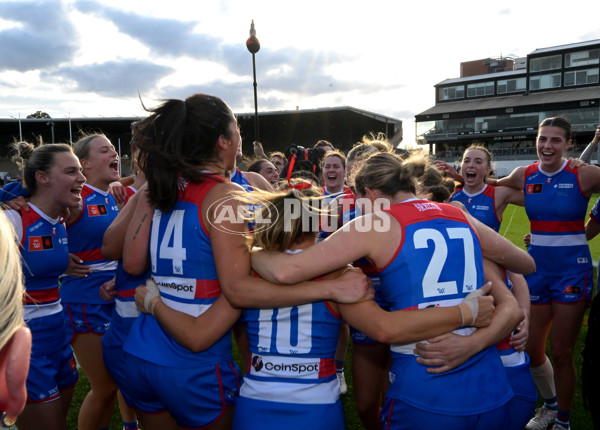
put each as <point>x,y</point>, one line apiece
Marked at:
<point>91,58</point>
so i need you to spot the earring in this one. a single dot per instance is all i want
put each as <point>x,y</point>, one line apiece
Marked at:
<point>7,422</point>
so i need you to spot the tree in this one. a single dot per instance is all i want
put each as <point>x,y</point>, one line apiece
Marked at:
<point>38,114</point>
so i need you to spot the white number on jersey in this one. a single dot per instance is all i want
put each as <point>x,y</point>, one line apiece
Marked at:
<point>171,245</point>
<point>302,322</point>
<point>432,286</point>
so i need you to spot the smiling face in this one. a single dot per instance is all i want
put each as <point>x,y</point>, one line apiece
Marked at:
<point>474,168</point>
<point>334,174</point>
<point>551,146</point>
<point>269,172</point>
<point>65,180</point>
<point>101,164</point>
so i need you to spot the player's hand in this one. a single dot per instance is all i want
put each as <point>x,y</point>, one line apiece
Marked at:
<point>353,286</point>
<point>18,203</point>
<point>77,268</point>
<point>443,353</point>
<point>118,191</point>
<point>108,291</point>
<point>518,340</point>
<point>147,296</point>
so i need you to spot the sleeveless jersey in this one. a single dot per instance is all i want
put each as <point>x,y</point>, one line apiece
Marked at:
<point>99,209</point>
<point>45,256</point>
<point>125,308</point>
<point>292,347</point>
<point>438,262</point>
<point>481,205</point>
<point>183,267</point>
<point>556,208</point>
<point>237,177</point>
<point>346,207</point>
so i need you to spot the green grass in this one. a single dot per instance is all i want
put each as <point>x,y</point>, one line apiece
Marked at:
<point>514,226</point>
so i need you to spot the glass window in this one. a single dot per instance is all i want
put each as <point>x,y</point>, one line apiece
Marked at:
<point>542,82</point>
<point>582,58</point>
<point>480,89</point>
<point>581,77</point>
<point>510,85</point>
<point>452,93</point>
<point>545,63</point>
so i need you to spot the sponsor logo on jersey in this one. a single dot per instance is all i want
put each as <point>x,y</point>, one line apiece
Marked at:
<point>565,185</point>
<point>582,260</point>
<point>534,188</point>
<point>40,243</point>
<point>422,207</point>
<point>260,362</point>
<point>96,210</point>
<point>482,207</point>
<point>257,362</point>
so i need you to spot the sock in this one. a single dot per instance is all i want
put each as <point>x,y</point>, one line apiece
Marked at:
<point>562,418</point>
<point>130,426</point>
<point>543,377</point>
<point>339,365</point>
<point>551,404</point>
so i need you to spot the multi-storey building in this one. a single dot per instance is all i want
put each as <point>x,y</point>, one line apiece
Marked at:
<point>500,102</point>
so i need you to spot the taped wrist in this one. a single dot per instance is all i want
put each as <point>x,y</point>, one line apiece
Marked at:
<point>151,294</point>
<point>473,304</point>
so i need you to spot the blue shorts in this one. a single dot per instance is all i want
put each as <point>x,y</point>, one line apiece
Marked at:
<point>522,405</point>
<point>115,362</point>
<point>50,373</point>
<point>196,397</point>
<point>87,318</point>
<point>570,288</point>
<point>396,415</point>
<point>253,414</point>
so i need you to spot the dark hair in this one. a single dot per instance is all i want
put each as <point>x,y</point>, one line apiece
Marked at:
<point>278,154</point>
<point>321,143</point>
<point>558,121</point>
<point>36,159</point>
<point>177,138</point>
<point>256,165</point>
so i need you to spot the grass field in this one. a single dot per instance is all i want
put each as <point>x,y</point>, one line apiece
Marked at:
<point>515,225</point>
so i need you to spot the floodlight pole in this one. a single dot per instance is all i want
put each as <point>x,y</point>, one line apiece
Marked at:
<point>253,46</point>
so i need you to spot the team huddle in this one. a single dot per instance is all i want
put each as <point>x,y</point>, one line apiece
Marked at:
<point>149,285</point>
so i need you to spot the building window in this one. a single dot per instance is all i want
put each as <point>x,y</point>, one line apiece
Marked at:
<point>452,93</point>
<point>582,58</point>
<point>480,89</point>
<point>542,82</point>
<point>581,77</point>
<point>545,63</point>
<point>510,85</point>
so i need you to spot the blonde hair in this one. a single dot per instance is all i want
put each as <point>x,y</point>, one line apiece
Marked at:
<point>379,141</point>
<point>11,283</point>
<point>274,229</point>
